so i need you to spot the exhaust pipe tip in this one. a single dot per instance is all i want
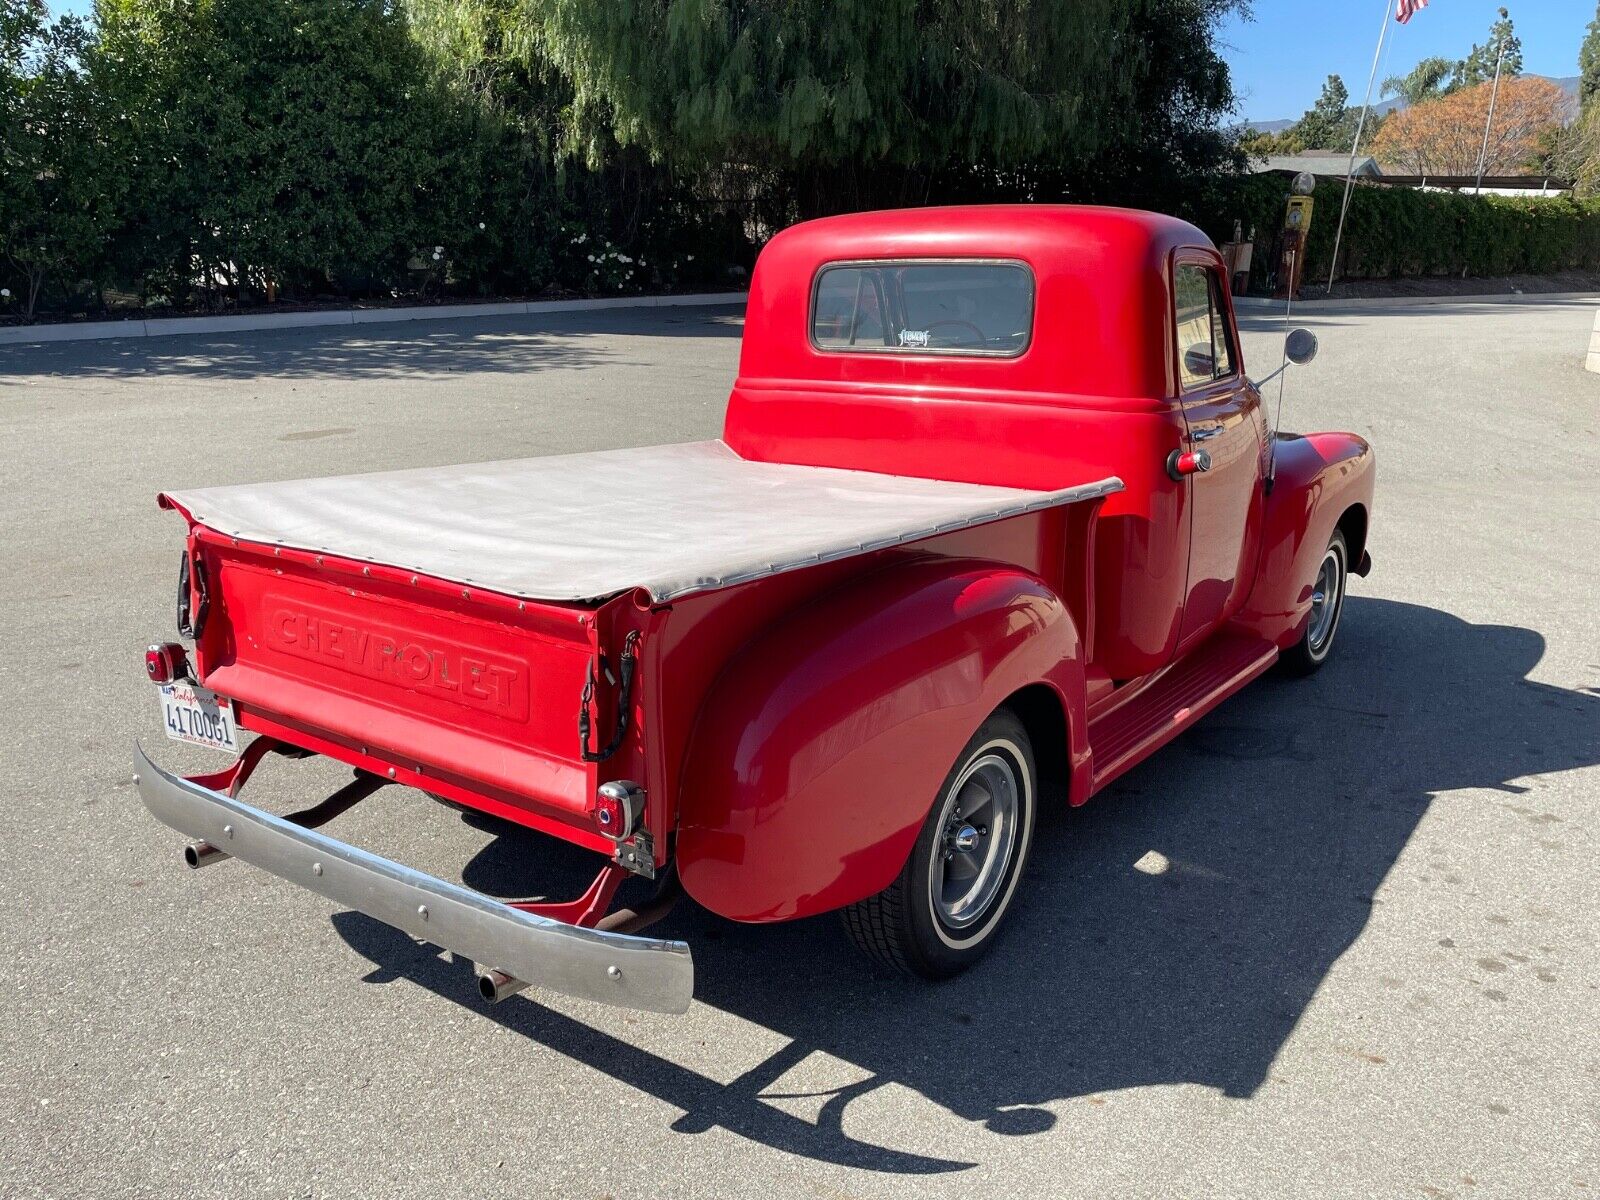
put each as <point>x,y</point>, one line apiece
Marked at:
<point>202,854</point>
<point>494,986</point>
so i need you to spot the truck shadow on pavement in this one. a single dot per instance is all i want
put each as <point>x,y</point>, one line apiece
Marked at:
<point>1263,839</point>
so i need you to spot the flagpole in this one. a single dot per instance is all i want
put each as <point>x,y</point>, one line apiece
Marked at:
<point>1350,171</point>
<point>1494,94</point>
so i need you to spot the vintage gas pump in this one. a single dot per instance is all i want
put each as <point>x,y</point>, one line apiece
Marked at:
<point>1296,228</point>
<point>1238,254</point>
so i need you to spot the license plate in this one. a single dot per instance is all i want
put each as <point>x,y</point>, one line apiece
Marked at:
<point>197,716</point>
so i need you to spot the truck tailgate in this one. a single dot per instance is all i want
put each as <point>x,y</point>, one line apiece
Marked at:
<point>469,689</point>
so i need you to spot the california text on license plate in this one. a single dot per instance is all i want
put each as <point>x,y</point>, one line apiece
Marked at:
<point>193,714</point>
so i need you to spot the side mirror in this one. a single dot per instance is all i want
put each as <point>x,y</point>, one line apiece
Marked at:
<point>1198,360</point>
<point>1300,347</point>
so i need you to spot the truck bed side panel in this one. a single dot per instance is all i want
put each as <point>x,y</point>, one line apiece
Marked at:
<point>707,630</point>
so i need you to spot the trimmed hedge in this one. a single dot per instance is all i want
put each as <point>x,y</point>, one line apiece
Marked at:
<point>215,154</point>
<point>1395,232</point>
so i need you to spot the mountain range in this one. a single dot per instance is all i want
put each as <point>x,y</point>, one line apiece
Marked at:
<point>1568,84</point>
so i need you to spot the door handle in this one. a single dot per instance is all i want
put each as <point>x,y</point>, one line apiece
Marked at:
<point>1206,434</point>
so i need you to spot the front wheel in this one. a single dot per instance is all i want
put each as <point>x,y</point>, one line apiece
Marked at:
<point>1327,605</point>
<point>942,913</point>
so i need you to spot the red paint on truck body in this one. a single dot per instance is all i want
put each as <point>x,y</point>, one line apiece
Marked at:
<point>791,732</point>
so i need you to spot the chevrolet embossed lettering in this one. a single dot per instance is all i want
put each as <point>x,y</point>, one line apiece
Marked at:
<point>468,675</point>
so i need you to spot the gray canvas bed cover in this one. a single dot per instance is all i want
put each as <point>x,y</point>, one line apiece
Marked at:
<point>672,520</point>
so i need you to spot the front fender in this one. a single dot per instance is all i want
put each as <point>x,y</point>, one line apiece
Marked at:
<point>823,744</point>
<point>1319,479</point>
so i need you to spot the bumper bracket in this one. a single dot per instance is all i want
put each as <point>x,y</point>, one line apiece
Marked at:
<point>612,968</point>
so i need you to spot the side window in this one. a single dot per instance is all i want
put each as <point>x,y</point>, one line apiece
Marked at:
<point>1221,346</point>
<point>1195,353</point>
<point>1205,351</point>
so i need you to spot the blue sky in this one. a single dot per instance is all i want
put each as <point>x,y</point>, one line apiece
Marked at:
<point>1281,58</point>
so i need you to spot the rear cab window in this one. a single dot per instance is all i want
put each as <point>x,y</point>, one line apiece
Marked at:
<point>1205,347</point>
<point>980,309</point>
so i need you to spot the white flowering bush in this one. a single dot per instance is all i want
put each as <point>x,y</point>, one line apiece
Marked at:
<point>655,260</point>
<point>598,264</point>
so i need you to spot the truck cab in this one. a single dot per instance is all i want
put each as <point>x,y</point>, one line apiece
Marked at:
<point>995,514</point>
<point>1126,359</point>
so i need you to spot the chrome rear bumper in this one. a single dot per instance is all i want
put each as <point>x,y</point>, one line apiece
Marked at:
<point>612,968</point>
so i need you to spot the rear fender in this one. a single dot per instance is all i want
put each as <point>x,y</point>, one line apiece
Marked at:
<point>1320,479</point>
<point>822,746</point>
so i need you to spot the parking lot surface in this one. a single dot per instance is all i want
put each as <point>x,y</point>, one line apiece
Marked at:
<point>1357,956</point>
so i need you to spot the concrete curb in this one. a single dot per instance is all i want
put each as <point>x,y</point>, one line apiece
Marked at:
<point>22,335</point>
<point>172,326</point>
<point>1265,304</point>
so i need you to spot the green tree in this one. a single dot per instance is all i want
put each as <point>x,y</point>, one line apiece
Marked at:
<point>1261,144</point>
<point>1479,64</point>
<point>213,150</point>
<point>882,101</point>
<point>1589,62</point>
<point>609,218</point>
<point>22,23</point>
<point>1330,123</point>
<point>699,81</point>
<point>1330,107</point>
<point>51,207</point>
<point>1172,147</point>
<point>1425,81</point>
<point>305,145</point>
<point>1573,151</point>
<point>1189,87</point>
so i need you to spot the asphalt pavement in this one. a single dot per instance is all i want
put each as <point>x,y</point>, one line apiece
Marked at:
<point>1340,940</point>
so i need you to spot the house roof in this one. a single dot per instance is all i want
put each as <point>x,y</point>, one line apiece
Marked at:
<point>1513,184</point>
<point>1326,162</point>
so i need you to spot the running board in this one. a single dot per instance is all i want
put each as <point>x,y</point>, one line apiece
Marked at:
<point>1175,700</point>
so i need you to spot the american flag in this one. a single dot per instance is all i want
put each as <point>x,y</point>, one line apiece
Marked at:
<point>1408,9</point>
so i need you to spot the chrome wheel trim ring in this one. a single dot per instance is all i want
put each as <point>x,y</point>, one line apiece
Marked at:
<point>969,889</point>
<point>1327,598</point>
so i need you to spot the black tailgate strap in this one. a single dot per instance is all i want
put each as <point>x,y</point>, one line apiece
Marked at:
<point>630,647</point>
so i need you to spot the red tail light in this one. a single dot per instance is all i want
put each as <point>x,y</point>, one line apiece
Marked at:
<point>617,808</point>
<point>166,663</point>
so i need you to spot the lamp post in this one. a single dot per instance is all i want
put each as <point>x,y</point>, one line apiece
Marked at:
<point>1494,94</point>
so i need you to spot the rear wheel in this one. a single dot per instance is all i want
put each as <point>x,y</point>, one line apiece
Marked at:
<point>942,914</point>
<point>1327,605</point>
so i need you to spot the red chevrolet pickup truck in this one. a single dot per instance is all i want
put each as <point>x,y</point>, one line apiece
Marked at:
<point>995,514</point>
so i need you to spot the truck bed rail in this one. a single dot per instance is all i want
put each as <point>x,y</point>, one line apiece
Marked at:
<point>669,521</point>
